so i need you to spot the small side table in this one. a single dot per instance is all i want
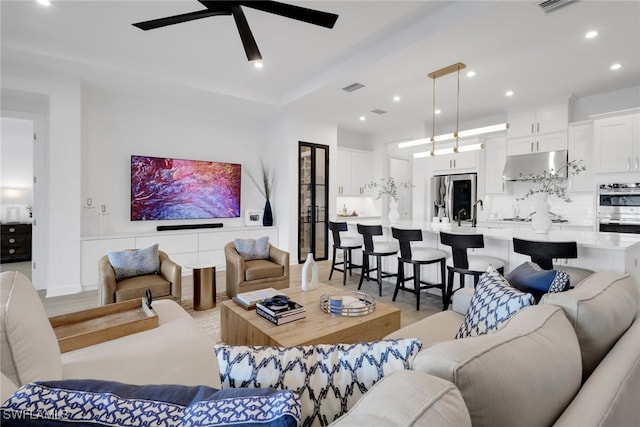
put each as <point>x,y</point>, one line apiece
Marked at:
<point>204,284</point>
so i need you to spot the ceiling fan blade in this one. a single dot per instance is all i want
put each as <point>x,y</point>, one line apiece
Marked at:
<point>311,16</point>
<point>249,43</point>
<point>163,22</point>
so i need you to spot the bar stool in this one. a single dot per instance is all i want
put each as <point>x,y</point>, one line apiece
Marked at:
<point>543,253</point>
<point>463,264</point>
<point>418,257</point>
<point>376,249</point>
<point>346,244</point>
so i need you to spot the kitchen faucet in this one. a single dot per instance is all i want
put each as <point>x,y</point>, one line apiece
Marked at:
<point>460,212</point>
<point>474,212</point>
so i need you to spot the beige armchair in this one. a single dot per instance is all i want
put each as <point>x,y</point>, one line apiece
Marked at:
<point>246,276</point>
<point>167,284</point>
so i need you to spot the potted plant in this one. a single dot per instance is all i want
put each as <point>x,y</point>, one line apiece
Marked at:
<point>265,187</point>
<point>389,188</point>
<point>549,183</point>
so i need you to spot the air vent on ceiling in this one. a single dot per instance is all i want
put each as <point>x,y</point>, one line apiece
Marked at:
<point>378,111</point>
<point>352,87</point>
<point>549,5</point>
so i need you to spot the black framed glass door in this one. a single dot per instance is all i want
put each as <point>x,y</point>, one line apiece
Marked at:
<point>313,200</point>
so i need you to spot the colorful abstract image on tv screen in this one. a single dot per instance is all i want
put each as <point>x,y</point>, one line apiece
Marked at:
<point>163,188</point>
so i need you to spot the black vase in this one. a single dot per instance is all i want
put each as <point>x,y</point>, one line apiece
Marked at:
<point>267,217</point>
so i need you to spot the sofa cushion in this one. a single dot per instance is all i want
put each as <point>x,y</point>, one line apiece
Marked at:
<point>329,378</point>
<point>493,302</point>
<point>409,399</point>
<point>30,350</point>
<point>529,277</point>
<point>106,403</point>
<point>523,374</point>
<point>262,269</point>
<point>600,308</point>
<point>135,262</point>
<point>438,327</point>
<point>253,248</point>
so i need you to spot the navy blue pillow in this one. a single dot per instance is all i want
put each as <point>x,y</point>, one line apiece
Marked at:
<point>529,277</point>
<point>108,403</point>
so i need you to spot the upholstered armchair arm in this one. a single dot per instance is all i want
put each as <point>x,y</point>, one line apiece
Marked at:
<point>173,273</point>
<point>280,257</point>
<point>106,282</point>
<point>235,268</point>
<point>461,300</point>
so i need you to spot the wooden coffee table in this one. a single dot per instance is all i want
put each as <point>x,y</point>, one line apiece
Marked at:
<point>245,327</point>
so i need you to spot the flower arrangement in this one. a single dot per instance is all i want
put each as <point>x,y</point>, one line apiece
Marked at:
<point>551,181</point>
<point>388,187</point>
<point>266,186</point>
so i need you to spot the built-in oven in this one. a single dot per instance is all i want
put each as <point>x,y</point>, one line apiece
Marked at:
<point>619,208</point>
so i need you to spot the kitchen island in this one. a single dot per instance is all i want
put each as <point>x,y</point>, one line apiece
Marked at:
<point>596,251</point>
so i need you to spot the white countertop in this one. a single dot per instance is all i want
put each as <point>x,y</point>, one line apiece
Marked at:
<point>585,238</point>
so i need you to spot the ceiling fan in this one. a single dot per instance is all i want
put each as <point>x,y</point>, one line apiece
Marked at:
<point>215,8</point>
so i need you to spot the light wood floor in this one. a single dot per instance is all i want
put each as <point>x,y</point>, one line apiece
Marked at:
<point>406,301</point>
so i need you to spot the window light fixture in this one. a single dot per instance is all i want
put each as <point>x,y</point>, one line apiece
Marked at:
<point>456,135</point>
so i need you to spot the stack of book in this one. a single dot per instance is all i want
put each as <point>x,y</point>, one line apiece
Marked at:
<point>278,313</point>
<point>248,300</point>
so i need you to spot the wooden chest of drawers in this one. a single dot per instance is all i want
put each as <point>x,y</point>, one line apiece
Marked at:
<point>16,242</point>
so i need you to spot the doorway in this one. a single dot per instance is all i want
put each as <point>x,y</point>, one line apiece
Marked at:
<point>313,201</point>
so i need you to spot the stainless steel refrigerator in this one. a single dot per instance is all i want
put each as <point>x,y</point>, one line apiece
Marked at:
<point>453,196</point>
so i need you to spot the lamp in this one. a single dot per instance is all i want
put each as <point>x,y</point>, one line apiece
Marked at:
<point>457,134</point>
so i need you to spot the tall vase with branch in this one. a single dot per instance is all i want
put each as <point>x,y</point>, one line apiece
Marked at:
<point>389,187</point>
<point>549,183</point>
<point>265,187</point>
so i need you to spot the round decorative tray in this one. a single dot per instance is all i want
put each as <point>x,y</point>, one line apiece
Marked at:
<point>347,303</point>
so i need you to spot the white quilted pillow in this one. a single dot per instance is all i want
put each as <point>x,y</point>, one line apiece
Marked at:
<point>329,378</point>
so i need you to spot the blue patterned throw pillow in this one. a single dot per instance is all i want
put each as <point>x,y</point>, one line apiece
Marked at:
<point>253,248</point>
<point>108,403</point>
<point>530,277</point>
<point>329,378</point>
<point>135,262</point>
<point>493,302</point>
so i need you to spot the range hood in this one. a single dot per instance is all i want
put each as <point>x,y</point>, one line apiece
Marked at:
<point>521,166</point>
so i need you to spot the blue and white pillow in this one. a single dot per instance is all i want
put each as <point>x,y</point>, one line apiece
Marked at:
<point>329,378</point>
<point>253,248</point>
<point>135,262</point>
<point>493,302</point>
<point>108,403</point>
<point>530,277</point>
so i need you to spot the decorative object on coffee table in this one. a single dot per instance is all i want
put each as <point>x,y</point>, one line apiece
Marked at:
<point>351,303</point>
<point>309,273</point>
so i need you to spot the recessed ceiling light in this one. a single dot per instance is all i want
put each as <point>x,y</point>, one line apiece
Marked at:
<point>471,73</point>
<point>591,35</point>
<point>438,111</point>
<point>396,98</point>
<point>616,66</point>
<point>509,93</point>
<point>363,118</point>
<point>44,2</point>
<point>258,64</point>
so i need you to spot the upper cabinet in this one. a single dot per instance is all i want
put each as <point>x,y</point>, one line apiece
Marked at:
<point>581,148</point>
<point>454,163</point>
<point>495,152</point>
<point>538,128</point>
<point>354,172</point>
<point>617,144</point>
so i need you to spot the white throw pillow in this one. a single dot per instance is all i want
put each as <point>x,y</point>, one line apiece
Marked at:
<point>329,378</point>
<point>493,302</point>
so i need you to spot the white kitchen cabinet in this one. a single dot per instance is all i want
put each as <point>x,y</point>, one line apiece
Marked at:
<point>495,152</point>
<point>581,148</point>
<point>617,144</point>
<point>354,171</point>
<point>454,163</point>
<point>539,128</point>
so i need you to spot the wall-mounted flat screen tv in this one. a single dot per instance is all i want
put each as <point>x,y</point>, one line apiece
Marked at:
<point>164,189</point>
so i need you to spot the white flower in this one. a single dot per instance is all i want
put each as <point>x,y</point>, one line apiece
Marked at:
<point>551,181</point>
<point>388,187</point>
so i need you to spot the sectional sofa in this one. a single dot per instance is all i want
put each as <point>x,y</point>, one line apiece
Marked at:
<point>572,360</point>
